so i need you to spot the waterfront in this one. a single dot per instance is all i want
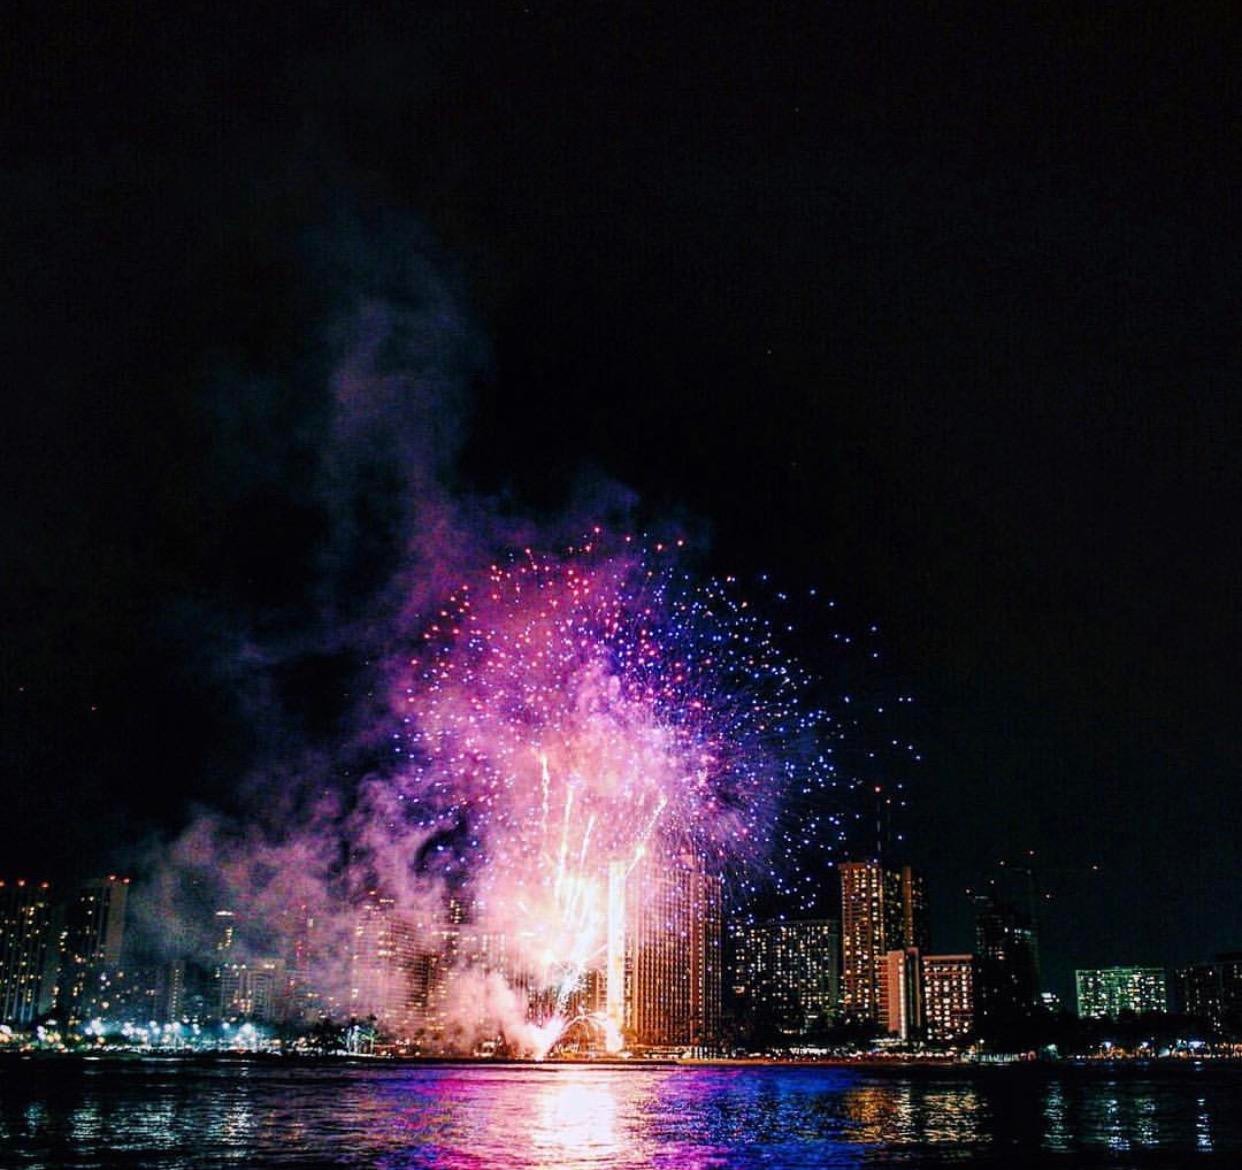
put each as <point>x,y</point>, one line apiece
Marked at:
<point>170,1113</point>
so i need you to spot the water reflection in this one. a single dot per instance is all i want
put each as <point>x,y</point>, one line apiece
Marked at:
<point>237,1124</point>
<point>895,1111</point>
<point>1203,1127</point>
<point>952,1115</point>
<point>84,1124</point>
<point>1056,1130</point>
<point>36,1116</point>
<point>589,1117</point>
<point>577,1120</point>
<point>1146,1132</point>
<point>869,1111</point>
<point>1112,1125</point>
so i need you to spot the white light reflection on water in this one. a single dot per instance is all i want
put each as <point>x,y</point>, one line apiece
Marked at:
<point>576,1119</point>
<point>1203,1127</point>
<point>237,1125</point>
<point>36,1116</point>
<point>84,1124</point>
<point>1116,1136</point>
<point>1146,1125</point>
<point>1056,1133</point>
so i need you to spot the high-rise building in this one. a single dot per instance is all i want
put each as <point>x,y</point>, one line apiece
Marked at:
<point>225,934</point>
<point>881,911</point>
<point>27,951</point>
<point>91,938</point>
<point>949,997</point>
<point>1212,992</point>
<point>302,995</point>
<point>864,938</point>
<point>663,973</point>
<point>787,973</point>
<point>706,958</point>
<point>175,1000</point>
<point>1108,991</point>
<point>901,994</point>
<point>254,989</point>
<point>382,965</point>
<point>1007,982</point>
<point>914,929</point>
<point>1230,967</point>
<point>136,993</point>
<point>224,942</point>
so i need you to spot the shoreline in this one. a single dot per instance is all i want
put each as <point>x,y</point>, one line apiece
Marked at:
<point>862,1063</point>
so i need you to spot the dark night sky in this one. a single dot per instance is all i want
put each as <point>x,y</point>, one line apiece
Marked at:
<point>936,309</point>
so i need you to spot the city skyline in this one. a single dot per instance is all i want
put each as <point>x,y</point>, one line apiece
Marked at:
<point>676,978</point>
<point>1182,968</point>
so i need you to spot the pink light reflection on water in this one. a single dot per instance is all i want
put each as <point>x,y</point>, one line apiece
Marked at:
<point>550,1116</point>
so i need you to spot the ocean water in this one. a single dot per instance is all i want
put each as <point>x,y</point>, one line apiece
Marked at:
<point>170,1113</point>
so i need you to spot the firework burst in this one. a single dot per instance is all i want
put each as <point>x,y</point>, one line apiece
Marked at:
<point>569,711</point>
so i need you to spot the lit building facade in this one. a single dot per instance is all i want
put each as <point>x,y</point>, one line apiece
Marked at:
<point>1213,992</point>
<point>881,911</point>
<point>1107,991</point>
<point>901,994</point>
<point>1230,967</point>
<point>949,997</point>
<point>302,998</point>
<point>1198,991</point>
<point>788,973</point>
<point>864,928</point>
<point>383,957</point>
<point>663,968</point>
<point>913,895</point>
<point>27,952</point>
<point>254,989</point>
<point>175,1002</point>
<point>91,938</point>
